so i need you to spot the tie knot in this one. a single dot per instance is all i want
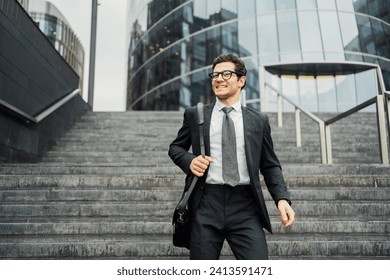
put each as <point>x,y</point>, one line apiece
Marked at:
<point>227,109</point>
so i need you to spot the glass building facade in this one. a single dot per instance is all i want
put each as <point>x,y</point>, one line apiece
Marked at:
<point>322,54</point>
<point>59,32</point>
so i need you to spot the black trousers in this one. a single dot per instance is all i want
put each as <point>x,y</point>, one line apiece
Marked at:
<point>229,213</point>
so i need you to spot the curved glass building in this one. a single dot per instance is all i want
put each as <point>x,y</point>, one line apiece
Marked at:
<point>60,34</point>
<point>322,54</point>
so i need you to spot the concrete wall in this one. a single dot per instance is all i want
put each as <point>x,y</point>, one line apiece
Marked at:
<point>33,76</point>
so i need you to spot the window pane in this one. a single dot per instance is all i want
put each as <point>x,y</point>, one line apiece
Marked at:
<point>214,43</point>
<point>200,9</point>
<point>288,32</point>
<point>265,6</point>
<point>366,85</point>
<point>309,31</point>
<point>197,50</point>
<point>308,93</point>
<point>345,5</point>
<point>386,37</point>
<point>285,5</point>
<point>213,8</point>
<point>366,36</point>
<point>289,89</point>
<point>326,94</point>
<point>246,8</point>
<point>326,4</point>
<point>268,43</point>
<point>330,35</point>
<point>230,5</point>
<point>229,38</point>
<point>346,94</point>
<point>252,84</point>
<point>379,37</point>
<point>349,32</point>
<point>373,8</point>
<point>268,98</point>
<point>360,6</point>
<point>306,4</point>
<point>385,66</point>
<point>247,44</point>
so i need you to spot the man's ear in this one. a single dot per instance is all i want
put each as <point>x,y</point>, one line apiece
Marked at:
<point>242,81</point>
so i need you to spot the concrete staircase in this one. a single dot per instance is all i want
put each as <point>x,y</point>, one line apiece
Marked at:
<point>108,189</point>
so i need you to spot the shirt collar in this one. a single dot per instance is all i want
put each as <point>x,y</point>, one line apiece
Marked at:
<point>236,106</point>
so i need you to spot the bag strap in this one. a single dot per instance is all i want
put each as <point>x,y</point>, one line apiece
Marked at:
<point>183,201</point>
<point>201,130</point>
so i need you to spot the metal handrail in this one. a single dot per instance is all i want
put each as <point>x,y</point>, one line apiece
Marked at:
<point>38,118</point>
<point>299,109</point>
<point>324,126</point>
<point>386,94</point>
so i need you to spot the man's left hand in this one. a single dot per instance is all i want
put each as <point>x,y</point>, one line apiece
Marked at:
<point>286,212</point>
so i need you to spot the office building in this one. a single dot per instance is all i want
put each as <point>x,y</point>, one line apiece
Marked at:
<point>321,54</point>
<point>59,32</point>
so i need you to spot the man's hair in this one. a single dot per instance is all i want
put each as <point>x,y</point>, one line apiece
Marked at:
<point>239,65</point>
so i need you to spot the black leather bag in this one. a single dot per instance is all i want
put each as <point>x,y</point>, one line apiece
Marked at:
<point>181,216</point>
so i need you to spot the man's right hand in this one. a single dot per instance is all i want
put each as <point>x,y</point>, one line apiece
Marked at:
<point>199,165</point>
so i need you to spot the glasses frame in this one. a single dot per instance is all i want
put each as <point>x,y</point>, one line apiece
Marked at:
<point>215,75</point>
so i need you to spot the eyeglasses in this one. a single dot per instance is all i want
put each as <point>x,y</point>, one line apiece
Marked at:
<point>226,75</point>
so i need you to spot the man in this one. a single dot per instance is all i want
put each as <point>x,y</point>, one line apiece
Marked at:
<point>227,202</point>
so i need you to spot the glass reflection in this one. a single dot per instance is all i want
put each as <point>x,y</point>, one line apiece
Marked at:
<point>306,4</point>
<point>346,93</point>
<point>230,5</point>
<point>267,35</point>
<point>173,55</point>
<point>326,94</point>
<point>285,5</point>
<point>309,31</point>
<point>308,93</point>
<point>345,5</point>
<point>248,44</point>
<point>365,34</point>
<point>349,32</point>
<point>331,39</point>
<point>290,90</point>
<point>366,85</point>
<point>288,32</point>
<point>246,8</point>
<point>265,6</point>
<point>326,5</point>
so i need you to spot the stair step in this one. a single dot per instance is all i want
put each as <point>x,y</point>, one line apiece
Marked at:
<point>108,188</point>
<point>176,181</point>
<point>313,225</point>
<point>147,193</point>
<point>76,208</point>
<point>138,247</point>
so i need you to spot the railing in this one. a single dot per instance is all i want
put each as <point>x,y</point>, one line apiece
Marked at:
<point>382,101</point>
<point>36,119</point>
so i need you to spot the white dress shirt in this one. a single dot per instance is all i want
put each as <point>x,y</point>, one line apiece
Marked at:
<point>214,175</point>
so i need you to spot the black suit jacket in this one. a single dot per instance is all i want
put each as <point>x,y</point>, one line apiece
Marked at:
<point>259,152</point>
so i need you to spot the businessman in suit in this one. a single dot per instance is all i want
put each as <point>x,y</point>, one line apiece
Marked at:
<point>227,202</point>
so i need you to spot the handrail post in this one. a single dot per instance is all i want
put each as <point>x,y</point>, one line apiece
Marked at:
<point>323,143</point>
<point>380,109</point>
<point>280,116</point>
<point>298,127</point>
<point>328,143</point>
<point>263,92</point>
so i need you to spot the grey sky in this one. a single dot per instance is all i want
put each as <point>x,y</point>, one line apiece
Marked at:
<point>111,52</point>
